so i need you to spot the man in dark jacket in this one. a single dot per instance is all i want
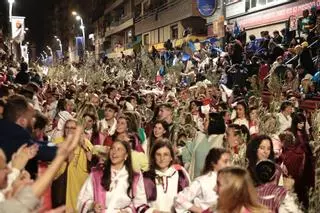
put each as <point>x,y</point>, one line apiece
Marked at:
<point>17,120</point>
<point>23,76</point>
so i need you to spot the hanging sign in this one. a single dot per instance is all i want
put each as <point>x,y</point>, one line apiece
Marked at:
<point>206,7</point>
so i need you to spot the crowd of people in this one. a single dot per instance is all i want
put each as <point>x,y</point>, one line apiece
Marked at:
<point>203,142</point>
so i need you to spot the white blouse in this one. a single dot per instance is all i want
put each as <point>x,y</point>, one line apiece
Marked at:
<point>240,122</point>
<point>199,122</point>
<point>103,124</point>
<point>284,122</point>
<point>116,198</point>
<point>167,191</point>
<point>200,193</point>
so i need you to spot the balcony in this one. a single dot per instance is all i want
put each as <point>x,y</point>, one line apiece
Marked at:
<point>118,26</point>
<point>166,14</point>
<point>112,6</point>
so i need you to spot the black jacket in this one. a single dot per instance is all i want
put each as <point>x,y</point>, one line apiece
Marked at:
<point>22,78</point>
<point>13,136</point>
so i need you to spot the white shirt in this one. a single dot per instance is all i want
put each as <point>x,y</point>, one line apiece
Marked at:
<point>166,192</point>
<point>284,122</point>
<point>116,197</point>
<point>103,124</point>
<point>52,109</point>
<point>289,204</point>
<point>199,122</point>
<point>243,121</point>
<point>200,193</point>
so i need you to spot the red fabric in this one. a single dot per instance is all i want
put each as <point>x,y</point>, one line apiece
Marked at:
<point>299,162</point>
<point>206,101</point>
<point>108,141</point>
<point>269,189</point>
<point>263,71</point>
<point>137,145</point>
<point>46,197</point>
<point>294,158</point>
<point>159,78</point>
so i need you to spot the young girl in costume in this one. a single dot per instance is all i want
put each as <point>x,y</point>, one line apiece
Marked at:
<point>164,180</point>
<point>200,195</point>
<point>116,188</point>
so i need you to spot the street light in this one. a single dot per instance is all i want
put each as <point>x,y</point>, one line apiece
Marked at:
<point>10,9</point>
<point>82,27</point>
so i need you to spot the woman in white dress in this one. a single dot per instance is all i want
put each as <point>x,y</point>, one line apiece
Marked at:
<point>116,188</point>
<point>164,180</point>
<point>200,195</point>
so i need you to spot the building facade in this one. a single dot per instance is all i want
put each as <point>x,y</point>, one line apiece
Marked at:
<point>114,29</point>
<point>159,20</point>
<point>125,24</point>
<point>265,15</point>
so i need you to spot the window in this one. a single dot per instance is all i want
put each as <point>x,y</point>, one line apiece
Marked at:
<point>231,1</point>
<point>174,32</point>
<point>253,3</point>
<point>264,3</point>
<point>146,39</point>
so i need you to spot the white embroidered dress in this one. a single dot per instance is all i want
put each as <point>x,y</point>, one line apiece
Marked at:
<point>167,190</point>
<point>116,198</point>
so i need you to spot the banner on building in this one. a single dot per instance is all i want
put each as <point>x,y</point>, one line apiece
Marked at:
<point>17,28</point>
<point>79,46</point>
<point>207,7</point>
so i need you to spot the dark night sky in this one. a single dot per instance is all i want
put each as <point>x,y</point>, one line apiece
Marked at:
<point>37,13</point>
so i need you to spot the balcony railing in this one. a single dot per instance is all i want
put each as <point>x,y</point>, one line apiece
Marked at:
<point>117,26</point>
<point>158,10</point>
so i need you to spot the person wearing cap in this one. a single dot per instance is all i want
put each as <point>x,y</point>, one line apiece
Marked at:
<point>276,198</point>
